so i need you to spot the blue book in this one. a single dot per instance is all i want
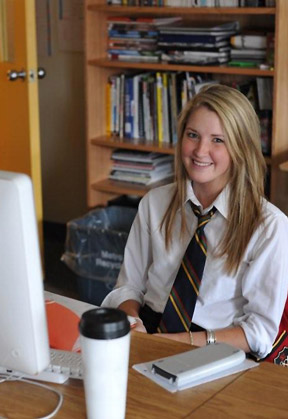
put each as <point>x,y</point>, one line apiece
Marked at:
<point>128,119</point>
<point>113,33</point>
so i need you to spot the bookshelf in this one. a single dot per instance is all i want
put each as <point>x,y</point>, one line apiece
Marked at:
<point>98,69</point>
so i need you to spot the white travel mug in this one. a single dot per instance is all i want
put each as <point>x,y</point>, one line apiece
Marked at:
<point>105,344</point>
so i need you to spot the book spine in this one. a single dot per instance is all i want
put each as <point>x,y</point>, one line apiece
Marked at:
<point>154,109</point>
<point>145,105</point>
<point>108,108</point>
<point>121,105</point>
<point>174,112</point>
<point>140,106</point>
<point>135,106</point>
<point>113,105</point>
<point>118,92</point>
<point>165,118</point>
<point>159,88</point>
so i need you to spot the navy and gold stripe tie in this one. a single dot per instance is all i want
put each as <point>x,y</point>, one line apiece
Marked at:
<point>180,306</point>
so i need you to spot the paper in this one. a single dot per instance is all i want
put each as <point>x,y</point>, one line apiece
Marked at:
<point>63,316</point>
<point>146,369</point>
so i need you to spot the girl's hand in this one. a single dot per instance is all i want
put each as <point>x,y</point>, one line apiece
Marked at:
<point>139,326</point>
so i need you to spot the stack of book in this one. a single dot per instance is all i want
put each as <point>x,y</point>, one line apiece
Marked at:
<point>250,49</point>
<point>197,45</point>
<point>141,167</point>
<point>135,39</point>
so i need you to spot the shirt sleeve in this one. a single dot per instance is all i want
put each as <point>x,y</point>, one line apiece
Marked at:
<point>131,282</point>
<point>265,285</point>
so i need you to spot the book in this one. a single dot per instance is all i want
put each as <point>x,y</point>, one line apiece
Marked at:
<point>221,28</point>
<point>265,92</point>
<point>159,106</point>
<point>115,33</point>
<point>140,178</point>
<point>180,57</point>
<point>247,53</point>
<point>142,167</point>
<point>165,112</point>
<point>199,39</point>
<point>173,107</point>
<point>121,105</point>
<point>140,156</point>
<point>108,108</point>
<point>228,3</point>
<point>128,119</point>
<point>148,20</point>
<point>135,58</point>
<point>194,47</point>
<point>249,41</point>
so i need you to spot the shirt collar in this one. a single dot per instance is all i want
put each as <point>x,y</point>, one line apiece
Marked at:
<point>221,202</point>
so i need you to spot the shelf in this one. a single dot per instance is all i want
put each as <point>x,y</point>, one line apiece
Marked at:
<point>105,63</point>
<point>99,69</point>
<point>125,188</point>
<point>284,166</point>
<point>133,144</point>
<point>183,10</point>
<point>141,145</point>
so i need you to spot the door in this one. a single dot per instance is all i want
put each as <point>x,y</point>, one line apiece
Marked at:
<point>19,109</point>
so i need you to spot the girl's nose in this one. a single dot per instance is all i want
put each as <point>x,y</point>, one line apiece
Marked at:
<point>202,148</point>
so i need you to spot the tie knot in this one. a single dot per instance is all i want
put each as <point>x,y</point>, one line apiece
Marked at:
<point>202,218</point>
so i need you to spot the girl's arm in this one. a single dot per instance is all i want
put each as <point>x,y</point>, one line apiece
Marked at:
<point>131,308</point>
<point>234,336</point>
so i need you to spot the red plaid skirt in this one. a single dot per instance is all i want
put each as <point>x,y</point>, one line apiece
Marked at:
<point>279,353</point>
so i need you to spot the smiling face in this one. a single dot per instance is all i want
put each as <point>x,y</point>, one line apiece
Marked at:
<point>205,155</point>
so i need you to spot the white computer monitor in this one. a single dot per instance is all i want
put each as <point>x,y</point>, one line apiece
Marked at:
<point>24,344</point>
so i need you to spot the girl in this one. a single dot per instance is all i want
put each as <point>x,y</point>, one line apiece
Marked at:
<point>218,165</point>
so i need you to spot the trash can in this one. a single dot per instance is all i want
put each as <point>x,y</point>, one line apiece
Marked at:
<point>94,249</point>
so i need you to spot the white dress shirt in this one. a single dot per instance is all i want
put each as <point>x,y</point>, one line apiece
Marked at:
<point>253,298</point>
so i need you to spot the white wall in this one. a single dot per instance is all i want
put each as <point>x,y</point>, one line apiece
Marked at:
<point>62,128</point>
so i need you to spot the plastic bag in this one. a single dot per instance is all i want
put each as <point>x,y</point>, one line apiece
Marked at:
<point>95,243</point>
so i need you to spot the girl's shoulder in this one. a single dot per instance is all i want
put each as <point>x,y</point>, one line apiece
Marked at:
<point>270,210</point>
<point>155,202</point>
<point>160,195</point>
<point>274,217</point>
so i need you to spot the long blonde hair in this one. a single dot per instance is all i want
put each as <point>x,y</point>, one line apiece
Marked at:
<point>242,130</point>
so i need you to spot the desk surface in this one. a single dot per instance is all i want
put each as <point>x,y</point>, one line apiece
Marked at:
<point>261,391</point>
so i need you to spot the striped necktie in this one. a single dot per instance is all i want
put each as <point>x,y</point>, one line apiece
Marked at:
<point>180,306</point>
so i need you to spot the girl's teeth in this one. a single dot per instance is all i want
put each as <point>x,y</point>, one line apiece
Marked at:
<point>201,164</point>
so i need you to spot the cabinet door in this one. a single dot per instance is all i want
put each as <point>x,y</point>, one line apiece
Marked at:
<point>19,110</point>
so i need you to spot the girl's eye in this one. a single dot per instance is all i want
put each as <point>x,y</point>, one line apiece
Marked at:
<point>191,134</point>
<point>218,140</point>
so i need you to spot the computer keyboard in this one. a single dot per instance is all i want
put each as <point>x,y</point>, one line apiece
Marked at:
<point>63,365</point>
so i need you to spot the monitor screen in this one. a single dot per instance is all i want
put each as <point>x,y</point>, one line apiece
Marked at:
<point>24,344</point>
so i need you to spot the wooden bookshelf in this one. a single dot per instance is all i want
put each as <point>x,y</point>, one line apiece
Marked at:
<point>132,144</point>
<point>98,69</point>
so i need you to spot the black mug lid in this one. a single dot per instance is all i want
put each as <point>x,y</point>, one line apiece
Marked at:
<point>104,323</point>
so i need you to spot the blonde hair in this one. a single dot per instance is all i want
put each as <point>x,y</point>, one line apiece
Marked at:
<point>242,130</point>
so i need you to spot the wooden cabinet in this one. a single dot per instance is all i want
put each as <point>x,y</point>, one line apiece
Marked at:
<point>99,69</point>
